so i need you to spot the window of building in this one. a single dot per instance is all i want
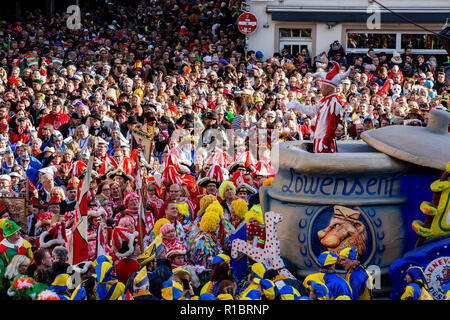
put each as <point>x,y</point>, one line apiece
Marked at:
<point>371,40</point>
<point>295,33</point>
<point>421,41</point>
<point>295,40</point>
<point>390,41</point>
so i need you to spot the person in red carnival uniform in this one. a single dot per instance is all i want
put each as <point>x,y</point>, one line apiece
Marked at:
<point>116,198</point>
<point>56,117</point>
<point>175,193</point>
<point>96,225</point>
<point>121,177</point>
<point>176,172</point>
<point>103,156</point>
<point>153,195</point>
<point>121,162</point>
<point>71,199</point>
<point>43,223</point>
<point>175,178</point>
<point>131,202</point>
<point>170,240</point>
<point>328,111</point>
<point>125,247</point>
<point>80,166</point>
<point>54,233</point>
<point>20,131</point>
<point>211,182</point>
<point>177,256</point>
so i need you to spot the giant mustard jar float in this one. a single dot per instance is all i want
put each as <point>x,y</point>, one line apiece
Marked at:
<point>366,195</point>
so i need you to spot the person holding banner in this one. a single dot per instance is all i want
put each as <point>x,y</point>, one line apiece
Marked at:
<point>78,247</point>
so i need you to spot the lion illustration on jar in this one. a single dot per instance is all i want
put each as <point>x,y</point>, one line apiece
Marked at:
<point>344,230</point>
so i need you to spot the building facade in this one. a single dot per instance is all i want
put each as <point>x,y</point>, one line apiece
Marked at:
<point>357,24</point>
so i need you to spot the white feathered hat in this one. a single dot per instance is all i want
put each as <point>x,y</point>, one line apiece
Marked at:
<point>332,78</point>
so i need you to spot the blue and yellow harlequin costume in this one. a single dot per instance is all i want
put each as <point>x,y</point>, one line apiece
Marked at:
<point>290,293</point>
<point>269,290</point>
<point>60,286</point>
<point>108,287</point>
<point>172,290</point>
<point>141,285</point>
<point>446,289</point>
<point>253,294</point>
<point>418,288</point>
<point>338,288</point>
<point>257,270</point>
<point>213,286</point>
<point>359,279</point>
<point>321,291</point>
<point>207,296</point>
<point>80,292</point>
<point>100,259</point>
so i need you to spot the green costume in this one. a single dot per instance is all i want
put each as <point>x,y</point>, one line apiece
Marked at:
<point>8,250</point>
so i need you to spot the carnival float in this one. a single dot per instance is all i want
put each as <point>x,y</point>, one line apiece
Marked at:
<point>388,195</point>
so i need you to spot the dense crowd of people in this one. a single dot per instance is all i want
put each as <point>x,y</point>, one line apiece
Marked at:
<point>160,215</point>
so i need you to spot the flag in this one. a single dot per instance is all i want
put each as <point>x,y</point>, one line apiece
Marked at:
<point>56,60</point>
<point>145,221</point>
<point>79,250</point>
<point>143,140</point>
<point>140,190</point>
<point>101,241</point>
<point>32,59</point>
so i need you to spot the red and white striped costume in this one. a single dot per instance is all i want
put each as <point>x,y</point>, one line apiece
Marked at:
<point>180,156</point>
<point>264,168</point>
<point>148,220</point>
<point>127,166</point>
<point>77,168</point>
<point>328,112</point>
<point>218,158</point>
<point>328,116</point>
<point>108,163</point>
<point>244,156</point>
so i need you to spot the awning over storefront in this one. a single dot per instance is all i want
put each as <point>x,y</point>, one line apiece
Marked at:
<point>355,14</point>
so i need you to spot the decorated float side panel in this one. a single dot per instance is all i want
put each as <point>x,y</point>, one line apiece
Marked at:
<point>370,212</point>
<point>434,259</point>
<point>416,187</point>
<point>377,232</point>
